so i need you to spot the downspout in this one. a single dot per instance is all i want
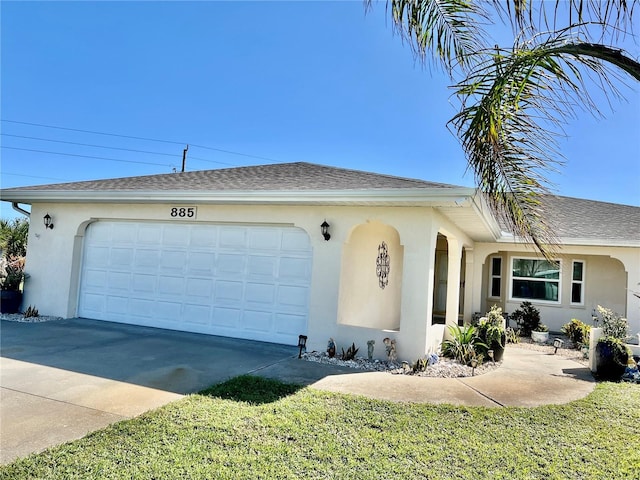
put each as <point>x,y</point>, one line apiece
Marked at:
<point>21,210</point>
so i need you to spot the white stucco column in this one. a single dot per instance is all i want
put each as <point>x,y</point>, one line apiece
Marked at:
<point>453,280</point>
<point>470,286</point>
<point>417,290</point>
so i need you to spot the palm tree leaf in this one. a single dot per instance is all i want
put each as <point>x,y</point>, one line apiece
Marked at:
<point>513,106</point>
<point>449,31</point>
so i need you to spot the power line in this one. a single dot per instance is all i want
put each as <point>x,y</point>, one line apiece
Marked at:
<point>88,145</point>
<point>86,156</point>
<point>231,152</point>
<point>113,148</point>
<point>10,174</point>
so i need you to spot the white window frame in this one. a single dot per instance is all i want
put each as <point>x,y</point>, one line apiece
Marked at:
<point>581,282</point>
<point>535,300</point>
<point>492,276</point>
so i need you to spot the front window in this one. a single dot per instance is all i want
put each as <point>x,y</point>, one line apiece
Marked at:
<point>496,277</point>
<point>533,279</point>
<point>577,283</point>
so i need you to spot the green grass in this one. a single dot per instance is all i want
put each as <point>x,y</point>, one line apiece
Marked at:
<point>249,428</point>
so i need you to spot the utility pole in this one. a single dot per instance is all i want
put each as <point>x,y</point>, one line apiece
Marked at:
<point>184,157</point>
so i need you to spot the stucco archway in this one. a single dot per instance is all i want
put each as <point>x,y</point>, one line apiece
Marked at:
<point>371,277</point>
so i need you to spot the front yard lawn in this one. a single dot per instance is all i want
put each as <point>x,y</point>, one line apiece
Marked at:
<point>249,428</point>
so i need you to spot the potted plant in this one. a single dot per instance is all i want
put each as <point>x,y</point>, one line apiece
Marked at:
<point>612,355</point>
<point>540,334</point>
<point>492,334</point>
<point>527,317</point>
<point>11,278</point>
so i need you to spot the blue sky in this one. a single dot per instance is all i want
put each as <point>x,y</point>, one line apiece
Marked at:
<point>272,82</point>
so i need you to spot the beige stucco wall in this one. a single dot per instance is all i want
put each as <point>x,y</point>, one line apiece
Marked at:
<point>611,275</point>
<point>54,261</point>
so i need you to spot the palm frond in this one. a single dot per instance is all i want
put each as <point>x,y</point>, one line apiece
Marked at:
<point>514,107</point>
<point>448,31</point>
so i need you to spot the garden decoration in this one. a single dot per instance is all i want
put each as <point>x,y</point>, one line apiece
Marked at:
<point>390,346</point>
<point>370,345</point>
<point>331,348</point>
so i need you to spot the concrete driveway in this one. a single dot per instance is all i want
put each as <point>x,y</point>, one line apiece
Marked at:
<point>60,380</point>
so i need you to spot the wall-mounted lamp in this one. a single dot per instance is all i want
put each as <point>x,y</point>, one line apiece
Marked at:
<point>302,344</point>
<point>324,228</point>
<point>47,222</point>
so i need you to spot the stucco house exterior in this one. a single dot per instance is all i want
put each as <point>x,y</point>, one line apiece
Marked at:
<point>239,252</point>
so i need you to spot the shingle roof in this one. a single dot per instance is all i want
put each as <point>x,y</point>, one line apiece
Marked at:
<point>590,219</point>
<point>299,176</point>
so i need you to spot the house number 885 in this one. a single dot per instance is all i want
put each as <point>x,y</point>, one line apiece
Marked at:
<point>183,212</point>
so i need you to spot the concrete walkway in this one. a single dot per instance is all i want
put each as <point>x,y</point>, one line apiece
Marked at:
<point>526,378</point>
<point>62,380</point>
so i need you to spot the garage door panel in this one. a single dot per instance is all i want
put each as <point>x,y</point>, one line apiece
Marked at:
<point>292,297</point>
<point>233,280</point>
<point>167,310</point>
<point>96,278</point>
<point>197,314</point>
<point>200,263</point>
<point>171,286</point>
<point>233,237</point>
<point>257,321</point>
<point>121,257</point>
<point>144,283</point>
<point>229,264</point>
<point>139,307</point>
<point>226,317</point>
<point>148,234</point>
<point>204,238</point>
<point>261,266</point>
<point>260,293</point>
<point>265,239</point>
<point>294,240</point>
<point>118,281</point>
<point>285,324</point>
<point>199,288</point>
<point>173,261</point>
<point>228,291</point>
<point>98,257</point>
<point>294,269</point>
<point>175,235</point>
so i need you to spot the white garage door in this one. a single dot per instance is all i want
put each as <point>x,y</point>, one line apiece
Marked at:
<point>239,281</point>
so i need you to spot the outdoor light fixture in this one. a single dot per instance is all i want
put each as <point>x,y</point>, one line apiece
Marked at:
<point>557,343</point>
<point>324,228</point>
<point>47,222</point>
<point>474,364</point>
<point>490,353</point>
<point>302,344</point>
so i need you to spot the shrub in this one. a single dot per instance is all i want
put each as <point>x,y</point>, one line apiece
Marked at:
<point>11,273</point>
<point>527,317</point>
<point>577,331</point>
<point>512,335</point>
<point>614,355</point>
<point>31,312</point>
<point>613,325</point>
<point>350,354</point>
<point>463,344</point>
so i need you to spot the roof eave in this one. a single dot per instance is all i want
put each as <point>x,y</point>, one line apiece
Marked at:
<point>427,197</point>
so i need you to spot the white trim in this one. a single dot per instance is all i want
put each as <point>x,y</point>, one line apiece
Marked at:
<point>534,300</point>
<point>450,197</point>
<point>582,283</point>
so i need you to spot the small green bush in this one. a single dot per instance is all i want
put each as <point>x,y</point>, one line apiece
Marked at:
<point>350,354</point>
<point>613,324</point>
<point>465,344</point>
<point>512,335</point>
<point>527,317</point>
<point>577,331</point>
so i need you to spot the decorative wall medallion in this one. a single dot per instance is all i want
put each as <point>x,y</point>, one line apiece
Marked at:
<point>382,265</point>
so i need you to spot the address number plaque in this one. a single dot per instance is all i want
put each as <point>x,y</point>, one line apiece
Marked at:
<point>183,213</point>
